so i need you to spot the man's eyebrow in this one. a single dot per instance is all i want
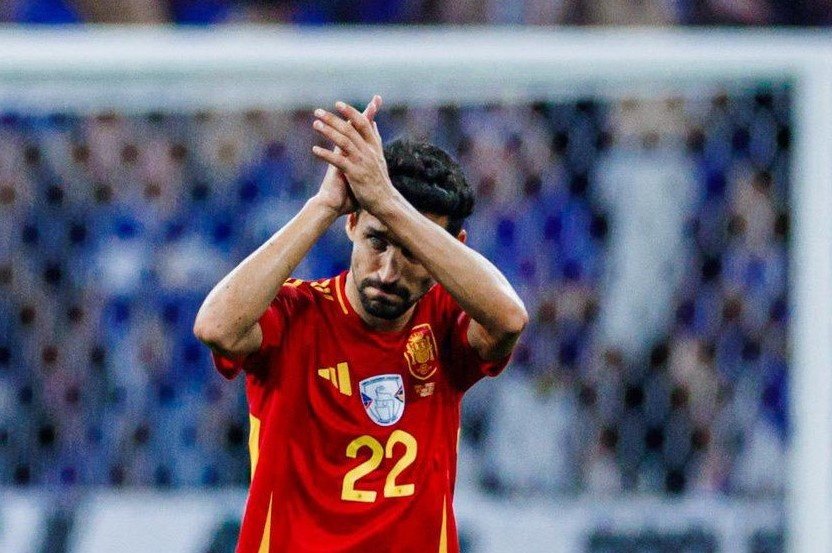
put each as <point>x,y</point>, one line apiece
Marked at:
<point>373,231</point>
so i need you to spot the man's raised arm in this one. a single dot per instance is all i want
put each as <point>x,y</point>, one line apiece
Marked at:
<point>498,315</point>
<point>227,319</point>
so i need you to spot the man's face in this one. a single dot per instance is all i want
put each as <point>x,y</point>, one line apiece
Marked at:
<point>388,277</point>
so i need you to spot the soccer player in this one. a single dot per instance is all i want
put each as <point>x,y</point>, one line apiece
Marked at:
<point>354,381</point>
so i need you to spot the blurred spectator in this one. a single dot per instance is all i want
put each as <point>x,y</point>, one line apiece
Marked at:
<point>530,441</point>
<point>645,184</point>
<point>619,12</point>
<point>123,11</point>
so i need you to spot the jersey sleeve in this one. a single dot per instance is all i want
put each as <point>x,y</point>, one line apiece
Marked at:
<point>467,365</point>
<point>272,323</point>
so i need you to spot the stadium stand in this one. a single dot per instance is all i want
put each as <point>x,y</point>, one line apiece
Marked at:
<point>422,12</point>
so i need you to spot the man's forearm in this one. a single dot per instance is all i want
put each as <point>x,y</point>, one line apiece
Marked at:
<point>233,307</point>
<point>481,290</point>
<point>476,284</point>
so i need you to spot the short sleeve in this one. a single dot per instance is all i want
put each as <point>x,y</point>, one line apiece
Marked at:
<point>272,324</point>
<point>467,367</point>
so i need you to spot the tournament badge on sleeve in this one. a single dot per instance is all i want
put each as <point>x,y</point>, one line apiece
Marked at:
<point>420,352</point>
<point>383,398</point>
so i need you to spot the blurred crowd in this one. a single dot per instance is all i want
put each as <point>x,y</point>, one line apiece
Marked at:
<point>522,12</point>
<point>648,238</point>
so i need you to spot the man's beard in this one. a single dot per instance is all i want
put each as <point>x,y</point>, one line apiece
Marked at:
<point>380,306</point>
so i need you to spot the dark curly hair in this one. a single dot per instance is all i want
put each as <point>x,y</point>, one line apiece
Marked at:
<point>430,179</point>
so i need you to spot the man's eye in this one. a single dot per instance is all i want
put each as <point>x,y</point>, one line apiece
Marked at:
<point>377,243</point>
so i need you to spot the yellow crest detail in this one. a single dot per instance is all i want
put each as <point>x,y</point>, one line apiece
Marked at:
<point>426,389</point>
<point>420,352</point>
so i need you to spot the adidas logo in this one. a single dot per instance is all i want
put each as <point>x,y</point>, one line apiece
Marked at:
<point>338,377</point>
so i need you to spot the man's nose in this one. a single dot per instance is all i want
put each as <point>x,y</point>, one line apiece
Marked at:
<point>390,269</point>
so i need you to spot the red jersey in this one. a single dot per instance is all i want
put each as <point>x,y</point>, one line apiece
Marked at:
<point>354,432</point>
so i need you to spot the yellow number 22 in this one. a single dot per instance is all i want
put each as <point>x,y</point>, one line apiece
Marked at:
<point>377,451</point>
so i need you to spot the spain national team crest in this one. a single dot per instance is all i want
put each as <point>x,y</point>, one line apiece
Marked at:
<point>420,352</point>
<point>383,398</point>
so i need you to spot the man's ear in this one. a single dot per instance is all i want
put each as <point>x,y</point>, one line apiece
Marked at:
<point>462,236</point>
<point>350,224</point>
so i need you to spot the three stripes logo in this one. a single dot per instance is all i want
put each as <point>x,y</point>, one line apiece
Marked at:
<point>338,376</point>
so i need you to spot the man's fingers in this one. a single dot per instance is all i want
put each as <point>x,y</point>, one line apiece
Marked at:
<point>343,143</point>
<point>330,157</point>
<point>373,107</point>
<point>344,127</point>
<point>347,135</point>
<point>359,120</point>
<point>370,112</point>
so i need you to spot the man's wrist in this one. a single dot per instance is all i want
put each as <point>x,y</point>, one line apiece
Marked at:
<point>319,206</point>
<point>387,204</point>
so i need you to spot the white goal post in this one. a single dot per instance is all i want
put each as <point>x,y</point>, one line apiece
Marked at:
<point>141,69</point>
